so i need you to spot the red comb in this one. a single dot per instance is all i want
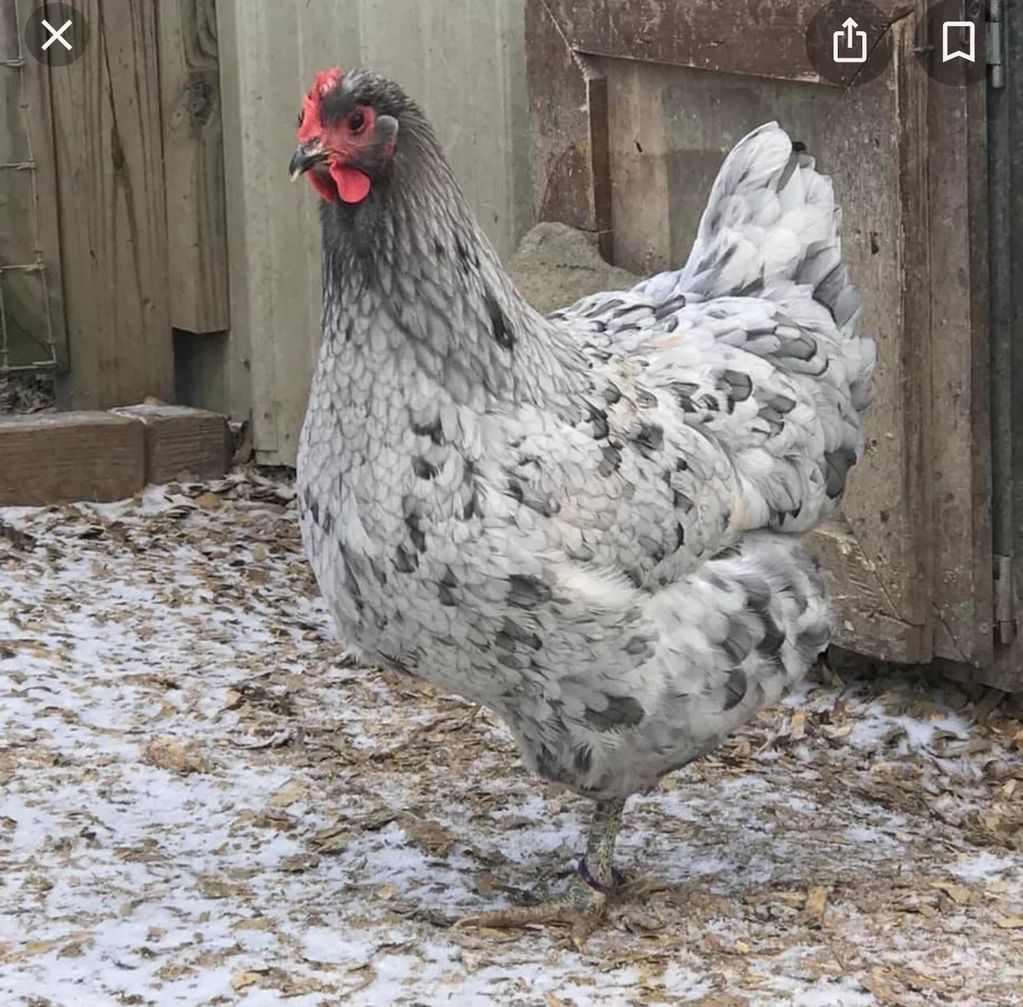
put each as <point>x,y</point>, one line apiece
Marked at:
<point>324,81</point>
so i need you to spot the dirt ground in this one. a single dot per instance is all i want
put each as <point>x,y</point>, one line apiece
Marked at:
<point>26,393</point>
<point>203,802</point>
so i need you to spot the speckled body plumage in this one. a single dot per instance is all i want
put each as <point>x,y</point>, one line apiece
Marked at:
<point>584,522</point>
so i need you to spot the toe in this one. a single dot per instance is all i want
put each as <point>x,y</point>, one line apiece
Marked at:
<point>498,919</point>
<point>581,908</point>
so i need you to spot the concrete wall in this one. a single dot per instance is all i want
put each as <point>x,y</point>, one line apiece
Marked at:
<point>463,60</point>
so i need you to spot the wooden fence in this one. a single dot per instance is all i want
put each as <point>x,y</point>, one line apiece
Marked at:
<point>135,175</point>
<point>32,333</point>
<point>462,59</point>
<point>124,213</point>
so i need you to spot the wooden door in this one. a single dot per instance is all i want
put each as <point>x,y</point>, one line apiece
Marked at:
<point>635,102</point>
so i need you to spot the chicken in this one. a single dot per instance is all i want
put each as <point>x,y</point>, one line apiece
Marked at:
<point>586,522</point>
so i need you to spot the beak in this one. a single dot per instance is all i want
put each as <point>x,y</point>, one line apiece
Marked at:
<point>304,158</point>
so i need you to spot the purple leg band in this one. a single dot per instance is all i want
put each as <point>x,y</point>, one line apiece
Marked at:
<point>583,871</point>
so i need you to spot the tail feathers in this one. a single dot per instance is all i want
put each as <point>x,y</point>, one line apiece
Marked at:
<point>771,223</point>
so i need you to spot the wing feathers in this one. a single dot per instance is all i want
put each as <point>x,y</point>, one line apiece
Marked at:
<point>750,346</point>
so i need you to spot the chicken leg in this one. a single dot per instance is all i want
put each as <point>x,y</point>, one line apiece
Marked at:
<point>582,906</point>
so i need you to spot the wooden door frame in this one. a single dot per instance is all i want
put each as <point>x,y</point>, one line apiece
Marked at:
<point>949,609</point>
<point>959,408</point>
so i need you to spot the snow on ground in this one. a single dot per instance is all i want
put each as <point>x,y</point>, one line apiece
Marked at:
<point>202,802</point>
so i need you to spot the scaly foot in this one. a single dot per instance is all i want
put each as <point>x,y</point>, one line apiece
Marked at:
<point>581,907</point>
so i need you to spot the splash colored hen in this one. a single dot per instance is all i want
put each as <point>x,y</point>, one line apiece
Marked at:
<point>587,522</point>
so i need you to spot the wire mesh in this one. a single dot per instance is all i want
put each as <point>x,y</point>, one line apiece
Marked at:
<point>35,271</point>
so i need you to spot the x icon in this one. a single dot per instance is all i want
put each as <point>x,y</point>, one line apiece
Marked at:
<point>55,35</point>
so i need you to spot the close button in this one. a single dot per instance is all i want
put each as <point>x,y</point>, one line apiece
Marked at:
<point>56,34</point>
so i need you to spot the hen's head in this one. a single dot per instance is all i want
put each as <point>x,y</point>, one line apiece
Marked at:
<point>348,133</point>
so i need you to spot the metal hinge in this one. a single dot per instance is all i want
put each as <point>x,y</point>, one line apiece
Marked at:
<point>1005,624</point>
<point>995,43</point>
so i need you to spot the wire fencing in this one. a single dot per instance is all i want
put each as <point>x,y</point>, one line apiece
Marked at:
<point>27,340</point>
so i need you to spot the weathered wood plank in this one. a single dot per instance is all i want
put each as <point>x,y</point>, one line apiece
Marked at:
<point>193,165</point>
<point>113,233</point>
<point>33,298</point>
<point>863,613</point>
<point>959,422</point>
<point>1008,663</point>
<point>642,170</point>
<point>748,37</point>
<point>182,442</point>
<point>462,59</point>
<point>563,183</point>
<point>57,457</point>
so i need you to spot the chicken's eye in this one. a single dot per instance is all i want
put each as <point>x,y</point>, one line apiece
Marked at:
<point>356,121</point>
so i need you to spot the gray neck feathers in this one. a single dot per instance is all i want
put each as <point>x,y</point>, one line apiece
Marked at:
<point>409,265</point>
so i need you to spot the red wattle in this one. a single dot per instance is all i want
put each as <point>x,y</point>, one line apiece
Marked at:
<point>352,185</point>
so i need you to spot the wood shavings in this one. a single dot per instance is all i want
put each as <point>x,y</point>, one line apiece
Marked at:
<point>207,800</point>
<point>1009,922</point>
<point>291,792</point>
<point>299,862</point>
<point>814,906</point>
<point>432,837</point>
<point>170,753</point>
